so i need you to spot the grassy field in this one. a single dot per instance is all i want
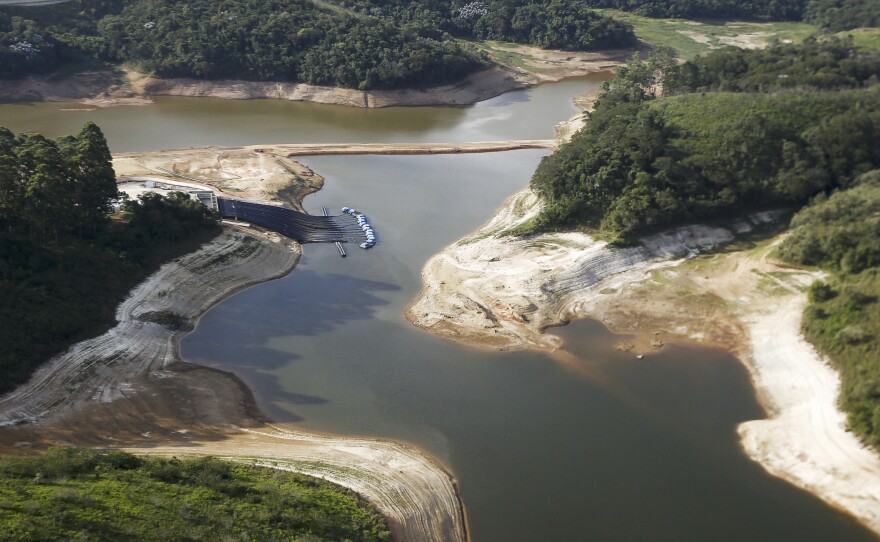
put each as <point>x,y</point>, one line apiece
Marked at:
<point>508,54</point>
<point>690,38</point>
<point>865,39</point>
<point>82,494</point>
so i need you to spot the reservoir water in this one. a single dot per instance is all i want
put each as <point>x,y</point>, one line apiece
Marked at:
<point>613,449</point>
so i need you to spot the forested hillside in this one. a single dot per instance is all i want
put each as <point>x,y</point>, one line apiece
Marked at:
<point>277,40</point>
<point>556,24</point>
<point>83,494</point>
<point>644,163</point>
<point>826,64</point>
<point>837,15</point>
<point>803,125</point>
<point>833,15</point>
<point>362,45</point>
<point>64,265</point>
<point>772,10</point>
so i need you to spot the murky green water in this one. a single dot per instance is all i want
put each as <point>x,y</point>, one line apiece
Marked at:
<point>612,449</point>
<point>174,122</point>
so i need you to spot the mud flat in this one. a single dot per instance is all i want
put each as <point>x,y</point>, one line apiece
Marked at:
<point>496,291</point>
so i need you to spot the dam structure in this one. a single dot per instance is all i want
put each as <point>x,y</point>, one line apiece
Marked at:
<point>299,226</point>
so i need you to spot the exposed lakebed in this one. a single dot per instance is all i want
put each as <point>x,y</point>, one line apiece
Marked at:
<point>614,448</point>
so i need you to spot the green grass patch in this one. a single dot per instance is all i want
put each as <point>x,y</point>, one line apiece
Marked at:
<point>478,237</point>
<point>864,39</point>
<point>504,53</point>
<point>83,494</point>
<point>690,38</point>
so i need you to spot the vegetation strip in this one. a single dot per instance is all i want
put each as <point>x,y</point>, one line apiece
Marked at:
<point>66,266</point>
<point>78,492</point>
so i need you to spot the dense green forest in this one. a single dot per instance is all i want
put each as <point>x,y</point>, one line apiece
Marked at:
<point>363,44</point>
<point>772,10</point>
<point>281,40</point>
<point>832,15</point>
<point>826,64</point>
<point>837,15</point>
<point>643,162</point>
<point>841,234</point>
<point>557,24</point>
<point>83,494</point>
<point>25,48</point>
<point>64,265</point>
<point>368,45</point>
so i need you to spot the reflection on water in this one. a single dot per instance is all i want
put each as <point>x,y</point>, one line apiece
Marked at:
<point>176,122</point>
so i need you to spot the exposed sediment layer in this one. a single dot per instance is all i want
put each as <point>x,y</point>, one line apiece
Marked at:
<point>128,87</point>
<point>502,292</point>
<point>115,390</point>
<point>323,149</point>
<point>101,369</point>
<point>109,88</point>
<point>473,88</point>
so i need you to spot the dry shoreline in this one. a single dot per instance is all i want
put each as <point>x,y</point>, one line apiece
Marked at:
<point>128,388</point>
<point>500,292</point>
<point>128,87</point>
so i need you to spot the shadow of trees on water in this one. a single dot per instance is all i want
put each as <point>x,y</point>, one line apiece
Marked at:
<point>236,335</point>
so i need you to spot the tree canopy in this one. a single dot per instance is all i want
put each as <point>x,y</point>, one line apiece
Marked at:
<point>362,44</point>
<point>815,64</point>
<point>557,24</point>
<point>643,162</point>
<point>837,15</point>
<point>64,266</point>
<point>53,189</point>
<point>769,10</point>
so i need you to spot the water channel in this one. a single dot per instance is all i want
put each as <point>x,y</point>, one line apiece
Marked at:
<point>615,449</point>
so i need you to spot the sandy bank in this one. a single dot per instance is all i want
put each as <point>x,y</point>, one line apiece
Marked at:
<point>235,172</point>
<point>129,87</point>
<point>464,147</point>
<point>502,292</point>
<point>474,88</point>
<point>109,88</point>
<point>805,440</point>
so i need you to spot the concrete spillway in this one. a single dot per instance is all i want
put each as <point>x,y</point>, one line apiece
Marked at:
<point>301,227</point>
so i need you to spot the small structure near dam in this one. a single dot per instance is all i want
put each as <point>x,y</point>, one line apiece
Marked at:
<point>350,227</point>
<point>301,227</point>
